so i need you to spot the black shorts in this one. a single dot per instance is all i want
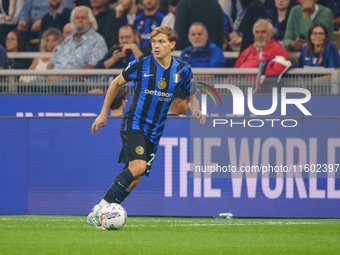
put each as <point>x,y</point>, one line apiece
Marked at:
<point>136,146</point>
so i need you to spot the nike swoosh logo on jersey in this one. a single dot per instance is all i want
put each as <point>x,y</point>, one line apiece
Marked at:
<point>147,75</point>
<point>121,185</point>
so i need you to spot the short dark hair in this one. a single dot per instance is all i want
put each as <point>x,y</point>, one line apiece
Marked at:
<point>134,30</point>
<point>180,94</point>
<point>117,102</point>
<point>173,2</point>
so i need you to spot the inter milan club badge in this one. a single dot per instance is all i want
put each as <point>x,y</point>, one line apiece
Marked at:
<point>161,84</point>
<point>139,150</point>
<point>176,78</point>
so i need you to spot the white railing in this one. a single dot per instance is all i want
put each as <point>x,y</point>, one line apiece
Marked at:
<point>176,53</point>
<point>317,80</point>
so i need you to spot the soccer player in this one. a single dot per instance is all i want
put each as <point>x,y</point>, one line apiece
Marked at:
<point>157,78</point>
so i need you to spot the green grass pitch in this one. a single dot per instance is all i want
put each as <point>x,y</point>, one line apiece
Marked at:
<point>48,234</point>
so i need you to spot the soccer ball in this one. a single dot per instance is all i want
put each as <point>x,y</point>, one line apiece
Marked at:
<point>113,216</point>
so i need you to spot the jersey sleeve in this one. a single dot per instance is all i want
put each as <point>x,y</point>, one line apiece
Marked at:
<point>333,58</point>
<point>188,85</point>
<point>130,72</point>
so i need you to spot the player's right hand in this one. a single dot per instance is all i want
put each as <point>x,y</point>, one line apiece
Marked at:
<point>198,115</point>
<point>100,121</point>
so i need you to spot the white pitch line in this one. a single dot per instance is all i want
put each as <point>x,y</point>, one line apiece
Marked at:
<point>206,224</point>
<point>29,226</point>
<point>52,220</point>
<point>239,224</point>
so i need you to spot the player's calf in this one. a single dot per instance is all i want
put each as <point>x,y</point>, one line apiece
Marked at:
<point>117,191</point>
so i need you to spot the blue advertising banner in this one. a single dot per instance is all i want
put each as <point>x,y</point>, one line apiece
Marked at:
<point>90,105</point>
<point>56,166</point>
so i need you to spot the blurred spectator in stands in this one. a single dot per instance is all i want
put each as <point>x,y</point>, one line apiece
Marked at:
<point>334,5</point>
<point>81,3</point>
<point>208,12</point>
<point>226,22</point>
<point>106,19</point>
<point>50,39</point>
<point>319,50</point>
<point>164,6</point>
<point>263,31</point>
<point>225,45</point>
<point>202,53</point>
<point>180,104</point>
<point>300,20</point>
<point>67,30</point>
<point>169,19</point>
<point>268,5</point>
<point>31,15</point>
<point>231,8</point>
<point>226,25</point>
<point>118,105</point>
<point>57,17</point>
<point>127,10</point>
<point>126,51</point>
<point>85,47</point>
<point>30,19</point>
<point>15,43</point>
<point>3,58</point>
<point>148,20</point>
<point>9,14</point>
<point>279,17</point>
<point>242,35</point>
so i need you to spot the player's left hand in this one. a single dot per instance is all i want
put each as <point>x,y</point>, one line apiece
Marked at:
<point>198,115</point>
<point>100,121</point>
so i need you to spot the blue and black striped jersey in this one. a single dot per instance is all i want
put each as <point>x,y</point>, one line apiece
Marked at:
<point>330,57</point>
<point>154,88</point>
<point>145,24</point>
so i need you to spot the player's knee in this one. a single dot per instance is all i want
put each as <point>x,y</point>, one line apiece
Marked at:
<point>137,167</point>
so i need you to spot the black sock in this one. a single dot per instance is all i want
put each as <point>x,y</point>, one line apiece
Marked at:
<point>117,192</point>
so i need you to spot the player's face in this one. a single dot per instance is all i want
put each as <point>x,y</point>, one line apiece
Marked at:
<point>50,43</point>
<point>161,46</point>
<point>126,35</point>
<point>262,35</point>
<point>318,36</point>
<point>81,21</point>
<point>198,36</point>
<point>184,106</point>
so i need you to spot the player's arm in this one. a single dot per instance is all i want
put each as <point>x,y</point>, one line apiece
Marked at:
<point>109,97</point>
<point>195,109</point>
